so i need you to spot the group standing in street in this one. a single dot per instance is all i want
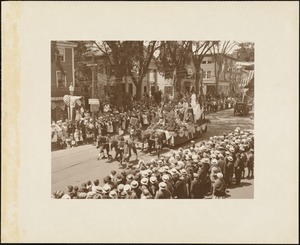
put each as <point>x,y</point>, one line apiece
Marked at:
<point>205,169</point>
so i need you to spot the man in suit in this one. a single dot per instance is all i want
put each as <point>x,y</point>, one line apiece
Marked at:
<point>238,168</point>
<point>197,188</point>
<point>250,164</point>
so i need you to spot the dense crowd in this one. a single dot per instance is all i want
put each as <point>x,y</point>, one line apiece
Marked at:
<point>203,169</point>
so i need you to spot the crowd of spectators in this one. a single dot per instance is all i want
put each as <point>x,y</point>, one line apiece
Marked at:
<point>200,170</point>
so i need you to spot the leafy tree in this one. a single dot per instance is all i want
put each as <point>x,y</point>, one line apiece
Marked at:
<point>245,52</point>
<point>128,59</point>
<point>175,55</point>
<point>139,56</point>
<point>172,59</point>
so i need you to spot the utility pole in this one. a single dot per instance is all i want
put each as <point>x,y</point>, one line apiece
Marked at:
<point>93,66</point>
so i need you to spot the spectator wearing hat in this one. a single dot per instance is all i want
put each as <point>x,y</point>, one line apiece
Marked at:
<point>113,194</point>
<point>153,186</point>
<point>179,187</point>
<point>221,163</point>
<point>186,183</point>
<point>163,192</point>
<point>166,179</point>
<point>135,188</point>
<point>123,195</point>
<point>250,163</point>
<point>244,161</point>
<point>146,194</point>
<point>129,193</point>
<point>229,170</point>
<point>144,184</point>
<point>197,188</point>
<point>105,191</point>
<point>219,187</point>
<point>238,168</point>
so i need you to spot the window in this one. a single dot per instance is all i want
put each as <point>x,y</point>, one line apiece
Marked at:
<point>208,74</point>
<point>130,89</point>
<point>145,89</point>
<point>61,80</point>
<point>61,54</point>
<point>208,61</point>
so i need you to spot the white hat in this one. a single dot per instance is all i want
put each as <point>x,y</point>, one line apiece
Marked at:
<point>65,196</point>
<point>215,170</point>
<point>162,185</point>
<point>113,193</point>
<point>120,187</point>
<point>153,179</point>
<point>220,175</point>
<point>144,181</point>
<point>106,188</point>
<point>214,161</point>
<point>134,184</point>
<point>165,177</point>
<point>127,188</point>
<point>230,158</point>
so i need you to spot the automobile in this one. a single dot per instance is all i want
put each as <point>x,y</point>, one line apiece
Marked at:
<point>241,108</point>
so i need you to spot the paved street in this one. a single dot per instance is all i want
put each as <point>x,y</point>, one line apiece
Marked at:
<point>76,165</point>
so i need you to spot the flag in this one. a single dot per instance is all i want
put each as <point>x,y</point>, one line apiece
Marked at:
<point>67,100</point>
<point>73,100</point>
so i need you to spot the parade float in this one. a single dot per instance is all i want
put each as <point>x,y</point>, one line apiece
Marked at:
<point>180,124</point>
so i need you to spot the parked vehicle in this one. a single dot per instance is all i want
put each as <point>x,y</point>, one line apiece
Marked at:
<point>242,108</point>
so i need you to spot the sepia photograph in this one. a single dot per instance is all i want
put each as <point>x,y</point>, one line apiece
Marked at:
<point>150,100</point>
<point>152,119</point>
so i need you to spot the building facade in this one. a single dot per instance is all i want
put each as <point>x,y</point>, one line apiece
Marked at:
<point>229,75</point>
<point>62,76</point>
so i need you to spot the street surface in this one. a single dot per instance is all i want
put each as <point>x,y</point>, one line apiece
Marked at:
<point>77,165</point>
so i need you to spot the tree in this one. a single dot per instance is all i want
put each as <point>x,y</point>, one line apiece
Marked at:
<point>139,56</point>
<point>219,52</point>
<point>173,57</point>
<point>198,50</point>
<point>128,59</point>
<point>245,52</point>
